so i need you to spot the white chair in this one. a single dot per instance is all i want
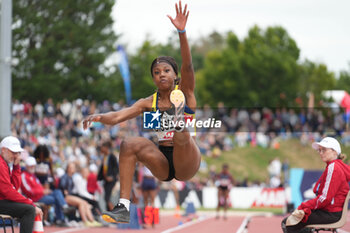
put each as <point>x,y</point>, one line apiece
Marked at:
<point>333,226</point>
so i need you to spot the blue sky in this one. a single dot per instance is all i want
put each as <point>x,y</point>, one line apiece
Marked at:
<point>321,28</point>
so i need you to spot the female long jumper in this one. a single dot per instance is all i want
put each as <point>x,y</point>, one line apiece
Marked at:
<point>177,155</point>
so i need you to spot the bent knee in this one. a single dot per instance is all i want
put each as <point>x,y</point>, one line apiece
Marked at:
<point>124,145</point>
<point>130,144</point>
<point>83,202</point>
<point>30,210</point>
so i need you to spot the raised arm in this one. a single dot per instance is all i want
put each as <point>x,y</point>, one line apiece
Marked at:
<point>187,82</point>
<point>112,118</point>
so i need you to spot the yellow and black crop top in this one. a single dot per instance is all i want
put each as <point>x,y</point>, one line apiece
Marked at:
<point>166,130</point>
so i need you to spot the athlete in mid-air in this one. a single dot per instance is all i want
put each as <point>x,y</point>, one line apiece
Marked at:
<point>177,155</point>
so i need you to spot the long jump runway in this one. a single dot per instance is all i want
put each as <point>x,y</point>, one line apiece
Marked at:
<point>202,223</point>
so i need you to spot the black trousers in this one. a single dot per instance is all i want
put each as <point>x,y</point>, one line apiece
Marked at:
<point>316,217</point>
<point>23,212</point>
<point>108,188</point>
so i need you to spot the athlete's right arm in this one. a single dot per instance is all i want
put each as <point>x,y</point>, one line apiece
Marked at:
<point>112,118</point>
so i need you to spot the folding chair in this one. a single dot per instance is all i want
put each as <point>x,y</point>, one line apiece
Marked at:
<point>333,226</point>
<point>3,218</point>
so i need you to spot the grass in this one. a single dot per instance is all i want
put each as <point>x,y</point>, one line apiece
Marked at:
<point>252,162</point>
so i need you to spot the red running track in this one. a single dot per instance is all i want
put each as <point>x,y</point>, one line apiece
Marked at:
<point>272,224</point>
<point>205,223</point>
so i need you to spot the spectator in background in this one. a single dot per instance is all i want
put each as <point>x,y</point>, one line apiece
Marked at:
<point>80,190</point>
<point>66,108</point>
<point>108,172</point>
<point>148,187</point>
<point>331,190</point>
<point>11,201</point>
<point>285,170</point>
<point>66,184</point>
<point>17,107</point>
<point>176,186</point>
<point>49,108</point>
<point>44,166</point>
<point>39,109</point>
<point>33,189</point>
<point>212,175</point>
<point>274,168</point>
<point>76,114</point>
<point>275,182</point>
<point>224,182</point>
<point>92,184</point>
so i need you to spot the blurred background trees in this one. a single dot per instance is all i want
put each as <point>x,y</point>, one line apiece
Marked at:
<point>61,47</point>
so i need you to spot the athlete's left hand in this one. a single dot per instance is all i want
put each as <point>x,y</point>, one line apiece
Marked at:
<point>181,16</point>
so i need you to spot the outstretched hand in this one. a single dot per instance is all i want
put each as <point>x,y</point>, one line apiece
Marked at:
<point>181,16</point>
<point>88,121</point>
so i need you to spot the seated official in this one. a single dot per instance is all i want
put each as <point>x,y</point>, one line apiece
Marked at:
<point>11,201</point>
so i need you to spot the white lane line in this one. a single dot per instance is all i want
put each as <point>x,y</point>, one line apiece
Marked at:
<point>200,219</point>
<point>70,230</point>
<point>244,225</point>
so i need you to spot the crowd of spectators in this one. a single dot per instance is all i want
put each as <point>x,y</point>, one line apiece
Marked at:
<point>60,124</point>
<point>58,127</point>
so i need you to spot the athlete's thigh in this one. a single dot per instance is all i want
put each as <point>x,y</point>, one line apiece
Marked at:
<point>189,149</point>
<point>150,155</point>
<point>186,159</point>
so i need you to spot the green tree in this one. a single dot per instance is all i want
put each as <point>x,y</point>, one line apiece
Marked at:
<point>314,78</point>
<point>140,75</point>
<point>221,79</point>
<point>61,47</point>
<point>269,61</point>
<point>261,70</point>
<point>201,47</point>
<point>343,82</point>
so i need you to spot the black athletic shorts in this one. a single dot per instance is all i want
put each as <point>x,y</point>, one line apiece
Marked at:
<point>168,153</point>
<point>223,188</point>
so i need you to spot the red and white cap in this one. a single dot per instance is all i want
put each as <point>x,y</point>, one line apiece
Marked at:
<point>328,142</point>
<point>11,143</point>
